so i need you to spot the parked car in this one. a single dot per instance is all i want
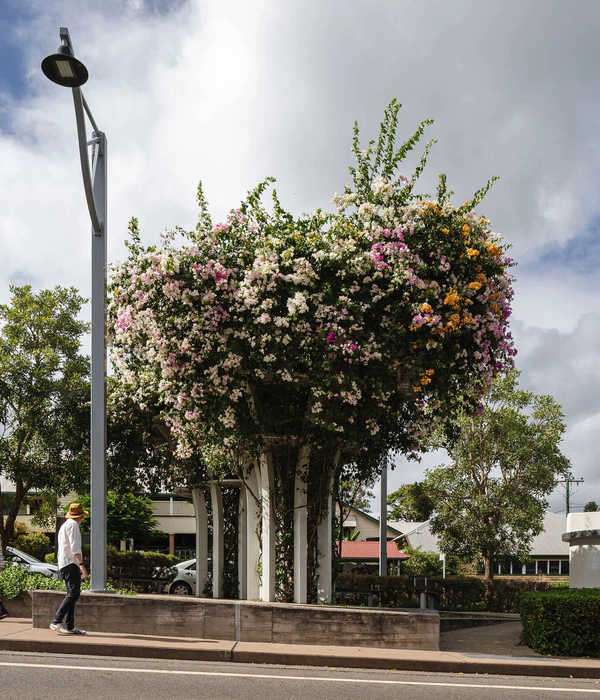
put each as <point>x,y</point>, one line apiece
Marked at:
<point>18,558</point>
<point>185,581</point>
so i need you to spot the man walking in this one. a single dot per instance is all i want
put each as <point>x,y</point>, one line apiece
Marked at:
<point>70,563</point>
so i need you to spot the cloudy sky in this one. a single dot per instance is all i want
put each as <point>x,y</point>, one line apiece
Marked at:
<point>231,91</point>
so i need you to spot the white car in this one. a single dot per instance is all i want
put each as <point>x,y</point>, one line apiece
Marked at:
<point>185,581</point>
<point>33,565</point>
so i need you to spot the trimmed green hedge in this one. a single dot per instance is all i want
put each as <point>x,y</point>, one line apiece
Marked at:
<point>562,622</point>
<point>461,593</point>
<point>144,565</point>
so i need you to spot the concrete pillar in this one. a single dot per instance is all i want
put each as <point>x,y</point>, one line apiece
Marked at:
<point>325,545</point>
<point>171,543</point>
<point>301,527</point>
<point>267,589</point>
<point>199,502</point>
<point>252,536</point>
<point>583,536</point>
<point>218,549</point>
<point>242,545</point>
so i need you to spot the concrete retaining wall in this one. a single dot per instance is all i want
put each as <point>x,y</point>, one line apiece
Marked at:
<point>19,607</point>
<point>244,621</point>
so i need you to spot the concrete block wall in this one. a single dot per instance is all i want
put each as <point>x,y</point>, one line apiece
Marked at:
<point>244,621</point>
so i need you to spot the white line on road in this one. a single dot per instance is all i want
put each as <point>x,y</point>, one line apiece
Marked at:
<point>302,678</point>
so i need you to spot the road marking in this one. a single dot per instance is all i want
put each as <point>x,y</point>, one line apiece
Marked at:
<point>270,676</point>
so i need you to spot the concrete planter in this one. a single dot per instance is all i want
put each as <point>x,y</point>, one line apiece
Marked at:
<point>244,621</point>
<point>19,607</point>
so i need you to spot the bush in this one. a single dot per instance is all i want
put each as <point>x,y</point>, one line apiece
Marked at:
<point>15,581</point>
<point>562,622</point>
<point>460,593</point>
<point>144,565</point>
<point>35,543</point>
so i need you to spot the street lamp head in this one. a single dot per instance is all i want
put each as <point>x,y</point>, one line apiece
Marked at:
<point>64,69</point>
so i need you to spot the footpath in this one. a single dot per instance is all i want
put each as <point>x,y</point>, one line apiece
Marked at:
<point>485,650</point>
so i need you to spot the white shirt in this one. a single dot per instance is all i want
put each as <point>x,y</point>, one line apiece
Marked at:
<point>69,543</point>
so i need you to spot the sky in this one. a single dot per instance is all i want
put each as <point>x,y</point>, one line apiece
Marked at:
<point>230,91</point>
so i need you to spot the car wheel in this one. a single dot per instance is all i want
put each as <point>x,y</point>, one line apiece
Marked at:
<point>180,588</point>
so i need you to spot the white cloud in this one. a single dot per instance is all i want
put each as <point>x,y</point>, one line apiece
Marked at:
<point>231,91</point>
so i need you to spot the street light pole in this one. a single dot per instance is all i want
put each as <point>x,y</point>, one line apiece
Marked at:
<point>64,69</point>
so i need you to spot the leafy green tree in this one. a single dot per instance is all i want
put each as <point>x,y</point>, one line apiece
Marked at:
<point>490,500</point>
<point>128,516</point>
<point>411,502</point>
<point>44,397</point>
<point>590,507</point>
<point>427,563</point>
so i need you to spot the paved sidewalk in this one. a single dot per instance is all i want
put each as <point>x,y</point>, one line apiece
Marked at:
<point>18,634</point>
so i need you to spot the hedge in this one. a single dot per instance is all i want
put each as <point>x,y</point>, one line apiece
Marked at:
<point>460,593</point>
<point>562,622</point>
<point>142,565</point>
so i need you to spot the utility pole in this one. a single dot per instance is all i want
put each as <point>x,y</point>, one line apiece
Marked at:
<point>567,482</point>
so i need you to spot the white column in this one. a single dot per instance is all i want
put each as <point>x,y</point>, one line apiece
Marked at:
<point>252,537</point>
<point>242,545</point>
<point>325,546</point>
<point>301,527</point>
<point>267,589</point>
<point>201,540</point>
<point>218,551</point>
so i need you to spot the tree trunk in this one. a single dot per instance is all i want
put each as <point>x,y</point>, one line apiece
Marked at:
<point>488,567</point>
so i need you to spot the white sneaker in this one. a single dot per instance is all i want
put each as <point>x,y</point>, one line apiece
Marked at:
<point>74,631</point>
<point>58,628</point>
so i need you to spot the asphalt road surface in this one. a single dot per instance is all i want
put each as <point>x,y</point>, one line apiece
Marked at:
<point>56,677</point>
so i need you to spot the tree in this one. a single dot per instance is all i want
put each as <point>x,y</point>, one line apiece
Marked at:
<point>128,516</point>
<point>590,507</point>
<point>44,397</point>
<point>411,502</point>
<point>490,500</point>
<point>314,341</point>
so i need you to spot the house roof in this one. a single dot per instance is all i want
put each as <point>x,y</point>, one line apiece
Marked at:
<point>404,526</point>
<point>369,551</point>
<point>547,543</point>
<point>368,516</point>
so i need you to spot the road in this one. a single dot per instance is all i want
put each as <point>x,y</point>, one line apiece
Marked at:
<point>56,677</point>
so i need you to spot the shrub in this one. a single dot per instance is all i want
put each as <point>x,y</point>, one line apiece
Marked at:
<point>15,581</point>
<point>35,543</point>
<point>562,622</point>
<point>461,593</point>
<point>142,565</point>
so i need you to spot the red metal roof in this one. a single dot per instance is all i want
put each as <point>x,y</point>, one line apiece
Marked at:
<point>369,551</point>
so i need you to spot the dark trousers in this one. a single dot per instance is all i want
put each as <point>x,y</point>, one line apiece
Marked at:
<point>3,610</point>
<point>66,611</point>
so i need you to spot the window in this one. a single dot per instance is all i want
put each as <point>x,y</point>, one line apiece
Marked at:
<point>564,568</point>
<point>542,567</point>
<point>531,568</point>
<point>554,568</point>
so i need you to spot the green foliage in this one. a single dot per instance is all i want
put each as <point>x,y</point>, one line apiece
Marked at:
<point>142,565</point>
<point>590,507</point>
<point>461,593</point>
<point>50,558</point>
<point>44,396</point>
<point>15,581</point>
<point>355,494</point>
<point>427,563</point>
<point>562,622</point>
<point>412,502</point>
<point>35,543</point>
<point>490,501</point>
<point>127,517</point>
